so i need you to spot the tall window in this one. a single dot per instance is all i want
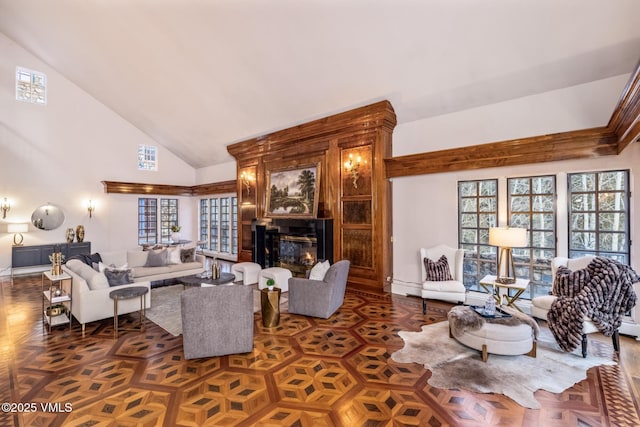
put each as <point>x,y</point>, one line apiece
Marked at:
<point>147,158</point>
<point>477,212</point>
<point>31,86</point>
<point>532,205</point>
<point>214,224</point>
<point>168,218</point>
<point>599,214</point>
<point>147,221</point>
<point>219,224</point>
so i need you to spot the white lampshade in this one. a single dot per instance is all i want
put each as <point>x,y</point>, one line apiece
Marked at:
<point>18,227</point>
<point>506,237</point>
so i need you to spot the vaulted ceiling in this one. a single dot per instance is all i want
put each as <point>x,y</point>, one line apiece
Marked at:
<point>198,75</point>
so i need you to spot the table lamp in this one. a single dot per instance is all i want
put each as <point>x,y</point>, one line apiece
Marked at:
<point>17,229</point>
<point>507,238</point>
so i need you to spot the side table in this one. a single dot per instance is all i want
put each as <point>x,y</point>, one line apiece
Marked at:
<point>128,293</point>
<point>56,312</point>
<point>270,305</point>
<point>489,282</point>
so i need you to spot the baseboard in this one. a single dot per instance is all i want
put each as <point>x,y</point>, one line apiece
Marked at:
<point>403,288</point>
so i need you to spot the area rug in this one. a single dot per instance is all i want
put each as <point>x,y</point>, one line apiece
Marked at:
<point>455,366</point>
<point>165,307</point>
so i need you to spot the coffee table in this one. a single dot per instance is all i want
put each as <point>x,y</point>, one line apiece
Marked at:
<point>197,280</point>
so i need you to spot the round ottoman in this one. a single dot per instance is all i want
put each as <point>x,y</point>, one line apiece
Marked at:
<point>247,272</point>
<point>280,275</point>
<point>489,336</point>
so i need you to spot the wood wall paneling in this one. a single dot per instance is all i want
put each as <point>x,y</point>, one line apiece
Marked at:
<point>328,142</point>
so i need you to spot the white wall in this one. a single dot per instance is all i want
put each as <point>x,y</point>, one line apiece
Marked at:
<point>218,173</point>
<point>425,206</point>
<point>61,152</point>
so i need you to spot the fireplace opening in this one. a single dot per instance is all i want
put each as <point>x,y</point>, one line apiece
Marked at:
<point>294,244</point>
<point>298,254</point>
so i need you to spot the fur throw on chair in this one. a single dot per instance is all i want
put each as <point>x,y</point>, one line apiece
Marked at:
<point>602,292</point>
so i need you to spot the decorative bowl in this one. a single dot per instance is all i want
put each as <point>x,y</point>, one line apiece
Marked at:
<point>55,310</point>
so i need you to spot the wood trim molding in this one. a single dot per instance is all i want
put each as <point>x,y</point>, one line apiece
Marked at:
<point>230,186</point>
<point>315,134</point>
<point>116,187</point>
<point>580,144</point>
<point>625,120</point>
<point>622,130</point>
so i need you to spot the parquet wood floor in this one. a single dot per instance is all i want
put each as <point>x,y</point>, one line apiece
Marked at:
<point>307,372</point>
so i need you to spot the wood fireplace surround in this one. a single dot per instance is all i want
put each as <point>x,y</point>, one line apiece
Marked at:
<point>349,149</point>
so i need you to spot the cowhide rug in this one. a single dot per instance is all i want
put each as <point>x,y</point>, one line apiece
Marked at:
<point>165,307</point>
<point>455,366</point>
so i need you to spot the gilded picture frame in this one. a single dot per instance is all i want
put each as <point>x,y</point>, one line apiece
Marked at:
<point>293,192</point>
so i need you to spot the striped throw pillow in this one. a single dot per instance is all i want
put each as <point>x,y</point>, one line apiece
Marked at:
<point>437,271</point>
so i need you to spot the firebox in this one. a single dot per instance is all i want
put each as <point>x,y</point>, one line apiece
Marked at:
<point>294,244</point>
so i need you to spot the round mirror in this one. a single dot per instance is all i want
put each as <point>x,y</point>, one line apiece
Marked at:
<point>47,217</point>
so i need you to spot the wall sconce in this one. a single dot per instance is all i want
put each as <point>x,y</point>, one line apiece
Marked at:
<point>352,166</point>
<point>246,178</point>
<point>6,205</point>
<point>91,207</point>
<point>17,229</point>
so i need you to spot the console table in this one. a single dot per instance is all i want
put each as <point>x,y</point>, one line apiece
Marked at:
<point>38,255</point>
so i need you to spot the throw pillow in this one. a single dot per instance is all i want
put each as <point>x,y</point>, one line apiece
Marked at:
<point>174,255</point>
<point>438,271</point>
<point>156,258</point>
<point>137,258</point>
<point>319,270</point>
<point>102,266</point>
<point>118,277</point>
<point>188,255</point>
<point>569,283</point>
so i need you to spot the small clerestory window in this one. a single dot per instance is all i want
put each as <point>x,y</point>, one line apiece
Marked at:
<point>31,86</point>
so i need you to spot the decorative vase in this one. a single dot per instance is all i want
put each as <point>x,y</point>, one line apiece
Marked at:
<point>490,306</point>
<point>215,270</point>
<point>71,234</point>
<point>56,263</point>
<point>80,233</point>
<point>175,236</point>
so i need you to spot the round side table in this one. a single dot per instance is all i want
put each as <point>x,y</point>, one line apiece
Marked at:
<point>128,293</point>
<point>270,305</point>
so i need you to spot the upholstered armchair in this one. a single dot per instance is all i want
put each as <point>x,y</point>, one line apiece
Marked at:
<point>217,320</point>
<point>319,298</point>
<point>541,306</point>
<point>435,284</point>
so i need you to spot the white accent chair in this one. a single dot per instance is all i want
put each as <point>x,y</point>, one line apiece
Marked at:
<point>446,290</point>
<point>247,272</point>
<point>541,305</point>
<point>280,275</point>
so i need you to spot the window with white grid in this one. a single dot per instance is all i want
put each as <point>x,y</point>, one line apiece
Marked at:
<point>31,86</point>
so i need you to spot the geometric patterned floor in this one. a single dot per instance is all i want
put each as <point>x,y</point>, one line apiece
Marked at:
<point>306,372</point>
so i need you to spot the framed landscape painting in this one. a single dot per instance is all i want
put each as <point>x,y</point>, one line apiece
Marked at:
<point>293,193</point>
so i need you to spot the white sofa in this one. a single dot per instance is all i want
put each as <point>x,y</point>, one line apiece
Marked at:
<point>90,296</point>
<point>135,259</point>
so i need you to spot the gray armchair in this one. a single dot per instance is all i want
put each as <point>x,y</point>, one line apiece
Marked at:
<point>319,298</point>
<point>217,320</point>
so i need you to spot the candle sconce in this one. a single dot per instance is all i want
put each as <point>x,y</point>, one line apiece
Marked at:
<point>247,178</point>
<point>352,167</point>
<point>6,206</point>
